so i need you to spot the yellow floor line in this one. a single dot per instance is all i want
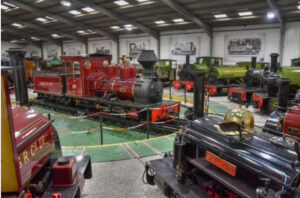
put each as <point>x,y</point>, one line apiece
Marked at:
<point>152,148</point>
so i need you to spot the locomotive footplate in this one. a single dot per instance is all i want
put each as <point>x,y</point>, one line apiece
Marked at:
<point>242,94</point>
<point>165,178</point>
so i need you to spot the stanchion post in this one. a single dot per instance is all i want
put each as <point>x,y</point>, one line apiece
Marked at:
<point>170,85</point>
<point>184,96</point>
<point>101,128</point>
<point>148,123</point>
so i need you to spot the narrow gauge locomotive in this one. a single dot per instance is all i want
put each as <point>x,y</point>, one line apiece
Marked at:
<point>96,85</point>
<point>264,100</point>
<point>219,77</point>
<point>285,119</point>
<point>31,157</point>
<point>253,83</point>
<point>214,158</point>
<point>166,70</point>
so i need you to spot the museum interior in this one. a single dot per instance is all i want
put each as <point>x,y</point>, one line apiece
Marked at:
<point>150,98</point>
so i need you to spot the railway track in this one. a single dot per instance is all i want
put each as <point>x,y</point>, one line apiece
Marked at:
<point>163,127</point>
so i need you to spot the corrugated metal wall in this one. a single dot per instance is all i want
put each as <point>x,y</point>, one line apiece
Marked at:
<point>291,42</point>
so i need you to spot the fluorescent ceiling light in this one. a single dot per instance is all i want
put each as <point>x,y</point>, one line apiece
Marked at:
<point>41,19</point>
<point>50,18</point>
<point>121,3</point>
<point>65,3</point>
<point>160,22</point>
<point>39,1</point>
<point>34,38</point>
<point>270,15</point>
<point>55,35</point>
<point>17,25</point>
<point>142,1</point>
<point>179,20</point>
<point>9,4</point>
<point>218,16</point>
<point>81,31</point>
<point>299,7</point>
<point>128,26</point>
<point>115,27</point>
<point>246,13</point>
<point>88,9</point>
<point>75,12</point>
<point>3,7</point>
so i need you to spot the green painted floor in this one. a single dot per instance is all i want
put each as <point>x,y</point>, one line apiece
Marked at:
<point>82,136</point>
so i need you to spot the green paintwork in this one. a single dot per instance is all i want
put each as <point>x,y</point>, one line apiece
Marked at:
<point>293,73</point>
<point>259,65</point>
<point>163,66</point>
<point>223,72</point>
<point>54,62</point>
<point>295,62</point>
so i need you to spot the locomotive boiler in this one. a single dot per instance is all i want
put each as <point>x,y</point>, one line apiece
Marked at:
<point>32,164</point>
<point>229,158</point>
<point>93,83</point>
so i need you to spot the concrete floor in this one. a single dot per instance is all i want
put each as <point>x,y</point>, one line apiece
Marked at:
<point>124,178</point>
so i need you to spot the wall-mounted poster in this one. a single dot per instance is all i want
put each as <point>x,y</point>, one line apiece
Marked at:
<point>239,48</point>
<point>182,45</point>
<point>104,47</point>
<point>135,47</point>
<point>73,49</point>
<point>52,52</point>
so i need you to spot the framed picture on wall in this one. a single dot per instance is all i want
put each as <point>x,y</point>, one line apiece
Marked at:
<point>182,45</point>
<point>51,52</point>
<point>73,49</point>
<point>103,47</point>
<point>135,47</point>
<point>243,47</point>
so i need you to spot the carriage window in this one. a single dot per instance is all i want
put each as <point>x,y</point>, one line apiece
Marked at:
<point>76,68</point>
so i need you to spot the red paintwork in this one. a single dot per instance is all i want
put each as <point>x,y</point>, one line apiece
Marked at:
<point>292,121</point>
<point>240,91</point>
<point>128,72</point>
<point>212,90</point>
<point>48,85</point>
<point>64,175</point>
<point>259,100</point>
<point>176,84</point>
<point>74,86</point>
<point>34,147</point>
<point>165,111</point>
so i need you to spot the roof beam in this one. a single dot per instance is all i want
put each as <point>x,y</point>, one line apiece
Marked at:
<point>23,34</point>
<point>275,9</point>
<point>27,42</point>
<point>117,16</point>
<point>180,9</point>
<point>45,29</point>
<point>68,21</point>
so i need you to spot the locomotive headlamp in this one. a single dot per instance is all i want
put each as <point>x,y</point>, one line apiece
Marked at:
<point>105,63</point>
<point>87,64</point>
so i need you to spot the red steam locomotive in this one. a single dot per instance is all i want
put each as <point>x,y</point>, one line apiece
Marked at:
<point>31,158</point>
<point>94,84</point>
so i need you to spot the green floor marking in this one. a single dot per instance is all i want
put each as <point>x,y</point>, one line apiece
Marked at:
<point>109,153</point>
<point>141,149</point>
<point>163,144</point>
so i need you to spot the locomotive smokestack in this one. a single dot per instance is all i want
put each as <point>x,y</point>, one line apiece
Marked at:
<point>253,62</point>
<point>147,59</point>
<point>187,59</point>
<point>198,94</point>
<point>274,57</point>
<point>283,93</point>
<point>18,62</point>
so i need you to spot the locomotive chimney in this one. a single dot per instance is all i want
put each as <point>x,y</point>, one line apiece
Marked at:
<point>187,59</point>
<point>18,63</point>
<point>274,57</point>
<point>198,94</point>
<point>147,59</point>
<point>253,62</point>
<point>283,93</point>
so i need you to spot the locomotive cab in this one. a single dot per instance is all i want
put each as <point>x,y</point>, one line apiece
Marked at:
<point>32,164</point>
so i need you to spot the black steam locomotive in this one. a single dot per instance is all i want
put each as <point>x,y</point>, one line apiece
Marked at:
<point>215,158</point>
